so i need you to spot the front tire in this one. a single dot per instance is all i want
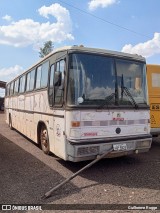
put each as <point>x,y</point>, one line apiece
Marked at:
<point>44,140</point>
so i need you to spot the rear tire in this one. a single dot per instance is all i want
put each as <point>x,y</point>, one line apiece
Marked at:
<point>44,140</point>
<point>10,122</point>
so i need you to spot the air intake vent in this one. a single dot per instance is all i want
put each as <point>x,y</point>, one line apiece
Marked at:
<point>88,150</point>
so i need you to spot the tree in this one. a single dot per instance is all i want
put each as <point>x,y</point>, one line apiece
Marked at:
<point>48,47</point>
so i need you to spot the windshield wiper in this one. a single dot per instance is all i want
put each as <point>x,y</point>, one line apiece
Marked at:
<point>107,99</point>
<point>127,92</point>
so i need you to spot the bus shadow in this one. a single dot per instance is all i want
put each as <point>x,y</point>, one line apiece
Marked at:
<point>24,179</point>
<point>136,171</point>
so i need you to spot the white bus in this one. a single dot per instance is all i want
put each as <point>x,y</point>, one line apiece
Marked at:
<point>79,102</point>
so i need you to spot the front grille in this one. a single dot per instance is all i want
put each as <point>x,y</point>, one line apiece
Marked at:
<point>88,150</point>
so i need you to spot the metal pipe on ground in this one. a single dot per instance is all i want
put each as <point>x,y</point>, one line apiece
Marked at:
<point>99,157</point>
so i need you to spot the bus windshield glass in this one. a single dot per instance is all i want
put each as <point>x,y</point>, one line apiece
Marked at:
<point>107,81</point>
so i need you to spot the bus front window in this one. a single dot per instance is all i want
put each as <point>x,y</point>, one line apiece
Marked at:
<point>91,79</point>
<point>95,79</point>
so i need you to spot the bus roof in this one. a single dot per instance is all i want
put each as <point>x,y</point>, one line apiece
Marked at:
<point>81,48</point>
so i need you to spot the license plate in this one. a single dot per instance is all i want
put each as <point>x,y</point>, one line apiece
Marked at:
<point>120,147</point>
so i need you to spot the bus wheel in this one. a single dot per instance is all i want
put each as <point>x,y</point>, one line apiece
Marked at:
<point>44,139</point>
<point>10,122</point>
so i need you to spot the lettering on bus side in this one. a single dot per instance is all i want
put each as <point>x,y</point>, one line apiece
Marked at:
<point>153,121</point>
<point>155,107</point>
<point>89,134</point>
<point>58,130</point>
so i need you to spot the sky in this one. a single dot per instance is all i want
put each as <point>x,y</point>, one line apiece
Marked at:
<point>131,26</point>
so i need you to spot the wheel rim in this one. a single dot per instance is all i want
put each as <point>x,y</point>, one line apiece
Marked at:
<point>44,138</point>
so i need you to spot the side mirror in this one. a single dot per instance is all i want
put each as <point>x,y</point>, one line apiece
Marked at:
<point>58,78</point>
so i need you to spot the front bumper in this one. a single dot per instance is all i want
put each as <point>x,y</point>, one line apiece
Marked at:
<point>88,150</point>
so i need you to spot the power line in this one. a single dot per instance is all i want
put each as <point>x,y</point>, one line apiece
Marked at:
<point>104,20</point>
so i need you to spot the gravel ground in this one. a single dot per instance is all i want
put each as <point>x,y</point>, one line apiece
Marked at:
<point>27,174</point>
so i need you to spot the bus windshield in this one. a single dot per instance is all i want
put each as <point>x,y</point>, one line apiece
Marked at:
<point>93,78</point>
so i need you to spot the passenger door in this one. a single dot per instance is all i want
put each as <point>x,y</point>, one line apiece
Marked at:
<point>59,112</point>
<point>56,100</point>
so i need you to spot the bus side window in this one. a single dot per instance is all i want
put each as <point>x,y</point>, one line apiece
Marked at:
<point>22,84</point>
<point>51,88</point>
<point>31,85</point>
<point>28,81</point>
<point>8,90</point>
<point>42,75</point>
<point>16,86</point>
<point>11,88</point>
<point>38,77</point>
<point>59,82</point>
